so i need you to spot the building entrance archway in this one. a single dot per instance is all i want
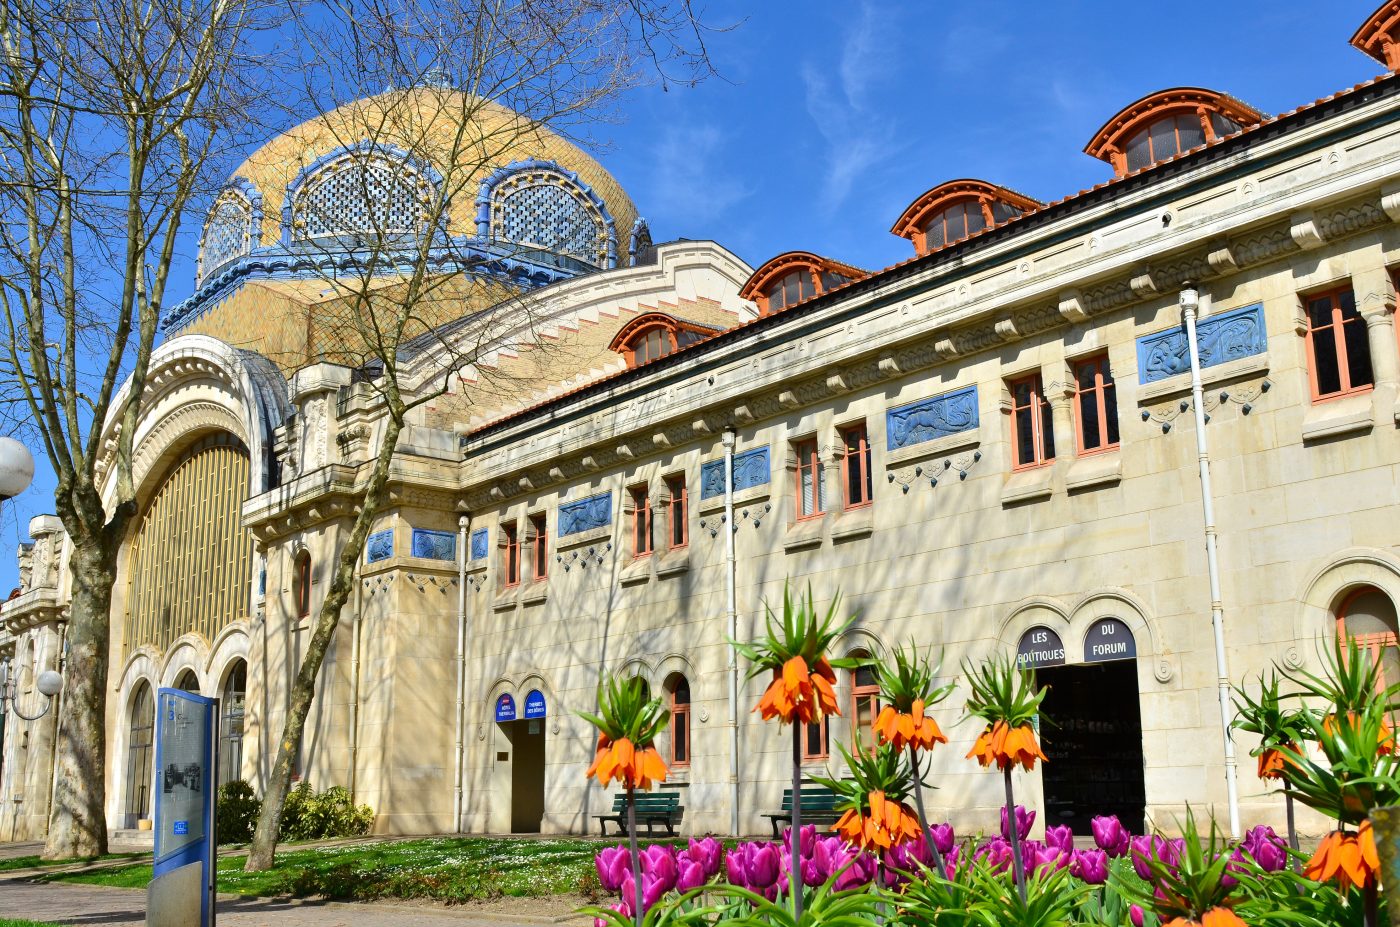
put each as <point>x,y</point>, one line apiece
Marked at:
<point>521,751</point>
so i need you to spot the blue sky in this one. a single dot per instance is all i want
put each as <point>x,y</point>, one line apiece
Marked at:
<point>832,116</point>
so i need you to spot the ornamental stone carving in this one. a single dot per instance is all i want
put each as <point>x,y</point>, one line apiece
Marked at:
<point>1221,338</point>
<point>751,468</point>
<point>936,417</point>
<point>585,514</point>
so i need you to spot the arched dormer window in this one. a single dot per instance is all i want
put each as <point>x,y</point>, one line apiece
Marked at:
<point>365,190</point>
<point>790,278</point>
<point>654,335</point>
<point>231,229</point>
<point>541,205</point>
<point>1167,123</point>
<point>1379,35</point>
<point>954,210</point>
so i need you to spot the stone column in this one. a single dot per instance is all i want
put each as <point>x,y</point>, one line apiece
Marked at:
<point>1375,301</point>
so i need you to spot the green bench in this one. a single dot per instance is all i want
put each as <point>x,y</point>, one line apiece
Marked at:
<point>818,807</point>
<point>652,808</point>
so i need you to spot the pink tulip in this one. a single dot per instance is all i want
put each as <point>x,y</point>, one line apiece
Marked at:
<point>1090,866</point>
<point>1266,848</point>
<point>943,837</point>
<point>707,853</point>
<point>612,862</point>
<point>1110,835</point>
<point>1135,915</point>
<point>620,907</point>
<point>1060,836</point>
<point>1024,821</point>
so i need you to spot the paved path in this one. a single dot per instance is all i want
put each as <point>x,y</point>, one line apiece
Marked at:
<point>124,907</point>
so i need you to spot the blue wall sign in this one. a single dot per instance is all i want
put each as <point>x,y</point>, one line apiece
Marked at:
<point>935,417</point>
<point>480,541</point>
<point>750,469</point>
<point>1109,639</point>
<point>380,546</point>
<point>534,704</point>
<point>585,514</point>
<point>1219,338</point>
<point>505,708</point>
<point>434,545</point>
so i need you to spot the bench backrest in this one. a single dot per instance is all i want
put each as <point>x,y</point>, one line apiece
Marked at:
<point>651,802</point>
<point>814,798</point>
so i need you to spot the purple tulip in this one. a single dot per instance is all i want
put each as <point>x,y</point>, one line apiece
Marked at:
<point>707,853</point>
<point>652,891</point>
<point>612,862</point>
<point>1060,836</point>
<point>839,860</point>
<point>1024,820</point>
<point>753,866</point>
<point>690,872</point>
<point>997,854</point>
<point>1135,915</point>
<point>1090,866</point>
<point>943,837</point>
<point>807,841</point>
<point>950,860</point>
<point>1147,848</point>
<point>1048,858</point>
<point>620,907</point>
<point>1266,848</point>
<point>1110,835</point>
<point>904,860</point>
<point>659,863</point>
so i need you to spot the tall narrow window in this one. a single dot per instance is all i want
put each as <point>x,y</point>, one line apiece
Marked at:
<point>510,554</point>
<point>816,739</point>
<point>539,545</point>
<point>1367,616</point>
<point>301,583</point>
<point>642,544</point>
<point>678,533</point>
<point>231,722</point>
<point>1097,421</point>
<point>679,688</point>
<point>865,707</point>
<point>1338,348</point>
<point>809,480</point>
<point>856,466</point>
<point>1032,433</point>
<point>139,737</point>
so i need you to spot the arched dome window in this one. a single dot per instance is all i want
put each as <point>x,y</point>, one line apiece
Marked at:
<point>790,278</point>
<point>368,190</point>
<point>956,209</point>
<point>1167,123</point>
<point>541,205</point>
<point>230,228</point>
<point>654,335</point>
<point>1379,35</point>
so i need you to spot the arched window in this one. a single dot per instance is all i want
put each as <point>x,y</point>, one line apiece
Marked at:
<point>363,192</point>
<point>678,695</point>
<point>654,335</point>
<point>865,707</point>
<point>541,205</point>
<point>956,209</point>
<point>301,584</point>
<point>140,735</point>
<point>1367,615</point>
<point>231,703</point>
<point>1164,124</point>
<point>793,277</point>
<point>187,681</point>
<point>231,228</point>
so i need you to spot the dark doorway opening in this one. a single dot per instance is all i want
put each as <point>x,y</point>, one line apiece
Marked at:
<point>526,774</point>
<point>1092,737</point>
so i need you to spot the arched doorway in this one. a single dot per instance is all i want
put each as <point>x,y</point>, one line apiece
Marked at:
<point>1367,615</point>
<point>1092,734</point>
<point>231,721</point>
<point>187,681</point>
<point>140,736</point>
<point>521,750</point>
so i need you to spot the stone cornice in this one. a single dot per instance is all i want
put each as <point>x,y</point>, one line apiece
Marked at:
<point>32,609</point>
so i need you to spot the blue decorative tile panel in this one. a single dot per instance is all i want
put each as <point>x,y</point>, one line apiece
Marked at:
<point>380,546</point>
<point>935,417</point>
<point>585,514</point>
<point>751,469</point>
<point>480,544</point>
<point>1220,338</point>
<point>434,545</point>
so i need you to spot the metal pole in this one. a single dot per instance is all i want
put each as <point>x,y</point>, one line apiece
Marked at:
<point>732,616</point>
<point>459,800</point>
<point>1190,302</point>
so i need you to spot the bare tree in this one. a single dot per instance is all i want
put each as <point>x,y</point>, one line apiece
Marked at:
<point>504,76</point>
<point>111,113</point>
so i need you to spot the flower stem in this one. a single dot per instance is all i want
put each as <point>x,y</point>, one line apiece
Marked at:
<point>1014,833</point>
<point>923,816</point>
<point>795,835</point>
<point>1369,893</point>
<point>1292,832</point>
<point>636,856</point>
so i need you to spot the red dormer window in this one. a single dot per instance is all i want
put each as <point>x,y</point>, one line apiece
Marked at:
<point>954,210</point>
<point>1379,35</point>
<point>653,335</point>
<point>1164,124</point>
<point>790,278</point>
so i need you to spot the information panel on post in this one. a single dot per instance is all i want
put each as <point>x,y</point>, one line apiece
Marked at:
<point>182,889</point>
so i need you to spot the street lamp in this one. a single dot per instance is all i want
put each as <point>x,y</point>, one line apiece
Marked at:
<point>16,468</point>
<point>49,683</point>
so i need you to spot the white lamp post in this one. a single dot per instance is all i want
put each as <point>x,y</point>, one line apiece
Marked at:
<point>49,683</point>
<point>16,468</point>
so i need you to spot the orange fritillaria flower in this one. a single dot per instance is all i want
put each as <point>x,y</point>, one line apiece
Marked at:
<point>621,761</point>
<point>1272,762</point>
<point>1215,917</point>
<point>799,693</point>
<point>1385,747</point>
<point>1349,857</point>
<point>913,727</point>
<point>889,822</point>
<point>1007,746</point>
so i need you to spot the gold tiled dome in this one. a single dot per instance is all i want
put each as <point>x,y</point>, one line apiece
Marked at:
<point>462,137</point>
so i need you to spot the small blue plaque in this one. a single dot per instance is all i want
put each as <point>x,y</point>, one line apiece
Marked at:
<point>182,827</point>
<point>534,704</point>
<point>505,708</point>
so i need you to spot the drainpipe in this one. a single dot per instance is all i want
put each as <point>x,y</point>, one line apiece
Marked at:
<point>59,663</point>
<point>355,687</point>
<point>731,614</point>
<point>1190,302</point>
<point>458,804</point>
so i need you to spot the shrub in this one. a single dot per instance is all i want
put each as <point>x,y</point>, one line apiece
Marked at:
<point>307,815</point>
<point>237,812</point>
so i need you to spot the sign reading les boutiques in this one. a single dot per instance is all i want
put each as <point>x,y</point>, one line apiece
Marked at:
<point>1109,639</point>
<point>505,708</point>
<point>1040,646</point>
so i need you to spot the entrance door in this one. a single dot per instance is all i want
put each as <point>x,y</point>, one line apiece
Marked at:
<point>526,774</point>
<point>138,757</point>
<point>1092,737</point>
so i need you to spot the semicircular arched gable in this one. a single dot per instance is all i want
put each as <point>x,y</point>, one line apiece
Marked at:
<point>1314,616</point>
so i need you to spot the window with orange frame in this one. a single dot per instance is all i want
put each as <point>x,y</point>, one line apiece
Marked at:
<point>865,708</point>
<point>679,697</point>
<point>642,543</point>
<point>539,545</point>
<point>1032,431</point>
<point>1339,349</point>
<point>1096,405</point>
<point>810,473</point>
<point>816,739</point>
<point>856,481</point>
<point>510,555</point>
<point>677,530</point>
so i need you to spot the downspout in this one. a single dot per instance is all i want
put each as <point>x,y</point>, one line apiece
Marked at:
<point>731,613</point>
<point>59,664</point>
<point>458,802</point>
<point>355,687</point>
<point>1190,302</point>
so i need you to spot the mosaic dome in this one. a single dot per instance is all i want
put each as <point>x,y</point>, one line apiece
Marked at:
<point>373,165</point>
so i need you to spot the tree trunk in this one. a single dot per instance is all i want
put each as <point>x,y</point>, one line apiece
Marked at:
<point>78,821</point>
<point>264,846</point>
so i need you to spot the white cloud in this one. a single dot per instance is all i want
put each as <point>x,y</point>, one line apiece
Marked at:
<point>689,184</point>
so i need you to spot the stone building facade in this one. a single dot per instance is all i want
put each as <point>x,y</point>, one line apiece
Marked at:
<point>988,448</point>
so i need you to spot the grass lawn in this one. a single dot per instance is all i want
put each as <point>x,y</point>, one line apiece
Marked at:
<point>33,862</point>
<point>450,869</point>
<point>11,922</point>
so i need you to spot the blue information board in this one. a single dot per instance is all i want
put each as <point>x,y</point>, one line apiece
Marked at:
<point>505,708</point>
<point>534,704</point>
<point>186,744</point>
